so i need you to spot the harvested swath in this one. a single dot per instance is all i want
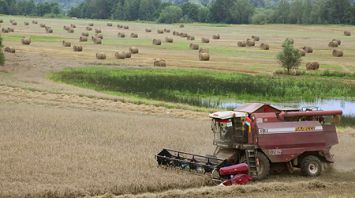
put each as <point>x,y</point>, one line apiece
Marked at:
<point>10,50</point>
<point>66,44</point>
<point>337,53</point>
<point>312,66</point>
<point>98,31</point>
<point>77,48</point>
<point>159,31</point>
<point>250,43</point>
<point>156,42</point>
<point>333,44</point>
<point>242,44</point>
<point>26,23</point>
<point>128,54</point>
<point>72,26</point>
<point>203,50</point>
<point>169,40</point>
<point>121,35</point>
<point>190,38</point>
<point>158,62</point>
<point>307,49</point>
<point>134,35</point>
<point>83,39</point>
<point>97,40</point>
<point>194,46</point>
<point>338,41</point>
<point>205,40</point>
<point>255,38</point>
<point>181,25</point>
<point>302,52</point>
<point>216,36</point>
<point>134,50</point>
<point>26,41</point>
<point>125,27</point>
<point>166,30</point>
<point>43,25</point>
<point>34,22</point>
<point>89,28</point>
<point>49,30</point>
<point>100,56</point>
<point>85,34</point>
<point>99,36</point>
<point>109,24</point>
<point>347,33</point>
<point>120,55</point>
<point>148,30</point>
<point>264,46</point>
<point>91,24</point>
<point>204,57</point>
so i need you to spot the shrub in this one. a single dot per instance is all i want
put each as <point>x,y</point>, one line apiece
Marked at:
<point>289,57</point>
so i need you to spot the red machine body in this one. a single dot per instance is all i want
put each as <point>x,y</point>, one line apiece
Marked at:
<point>234,169</point>
<point>241,179</point>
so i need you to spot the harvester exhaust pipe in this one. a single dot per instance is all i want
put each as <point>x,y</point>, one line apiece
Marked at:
<point>284,114</point>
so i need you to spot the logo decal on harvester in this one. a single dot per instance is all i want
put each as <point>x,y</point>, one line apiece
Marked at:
<point>305,129</point>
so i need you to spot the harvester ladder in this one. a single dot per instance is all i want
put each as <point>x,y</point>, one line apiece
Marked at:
<point>251,160</point>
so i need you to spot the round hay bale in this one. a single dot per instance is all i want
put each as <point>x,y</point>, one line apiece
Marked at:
<point>26,23</point>
<point>99,36</point>
<point>337,53</point>
<point>128,54</point>
<point>307,49</point>
<point>43,25</point>
<point>125,27</point>
<point>14,23</point>
<point>72,26</point>
<point>83,39</point>
<point>175,33</point>
<point>338,41</point>
<point>159,31</point>
<point>5,30</point>
<point>91,24</point>
<point>26,41</point>
<point>312,66</point>
<point>109,24</point>
<point>119,26</point>
<point>85,34</point>
<point>77,48</point>
<point>120,55</point>
<point>34,22</point>
<point>347,33</point>
<point>100,56</point>
<point>121,35</point>
<point>203,50</point>
<point>134,50</point>
<point>10,29</point>
<point>264,46</point>
<point>158,62</point>
<point>333,44</point>
<point>66,44</point>
<point>89,28</point>
<point>205,40</point>
<point>204,57</point>
<point>134,35</point>
<point>302,52</point>
<point>156,42</point>
<point>98,31</point>
<point>97,40</point>
<point>10,50</point>
<point>194,46</point>
<point>148,30</point>
<point>250,43</point>
<point>181,25</point>
<point>190,38</point>
<point>49,30</point>
<point>183,35</point>
<point>169,40</point>
<point>242,44</point>
<point>216,36</point>
<point>70,30</point>
<point>166,30</point>
<point>255,38</point>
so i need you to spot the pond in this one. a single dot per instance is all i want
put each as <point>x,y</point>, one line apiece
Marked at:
<point>347,106</point>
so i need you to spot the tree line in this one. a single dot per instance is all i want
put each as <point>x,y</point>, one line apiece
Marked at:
<point>215,11</point>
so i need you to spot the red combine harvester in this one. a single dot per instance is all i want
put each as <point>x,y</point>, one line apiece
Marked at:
<point>261,137</point>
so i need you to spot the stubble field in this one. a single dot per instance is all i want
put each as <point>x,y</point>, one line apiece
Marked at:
<point>58,140</point>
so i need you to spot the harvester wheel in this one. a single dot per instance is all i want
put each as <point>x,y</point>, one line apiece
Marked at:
<point>311,166</point>
<point>263,166</point>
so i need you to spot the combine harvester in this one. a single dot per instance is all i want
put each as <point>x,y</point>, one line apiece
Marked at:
<point>255,138</point>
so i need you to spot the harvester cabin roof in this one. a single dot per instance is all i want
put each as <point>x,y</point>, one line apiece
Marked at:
<point>257,108</point>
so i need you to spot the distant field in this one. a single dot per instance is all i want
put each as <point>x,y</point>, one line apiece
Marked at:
<point>225,55</point>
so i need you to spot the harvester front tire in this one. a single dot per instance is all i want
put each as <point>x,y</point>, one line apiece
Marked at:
<point>263,167</point>
<point>311,166</point>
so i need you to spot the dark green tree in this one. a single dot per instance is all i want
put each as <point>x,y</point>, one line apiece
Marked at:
<point>170,14</point>
<point>289,58</point>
